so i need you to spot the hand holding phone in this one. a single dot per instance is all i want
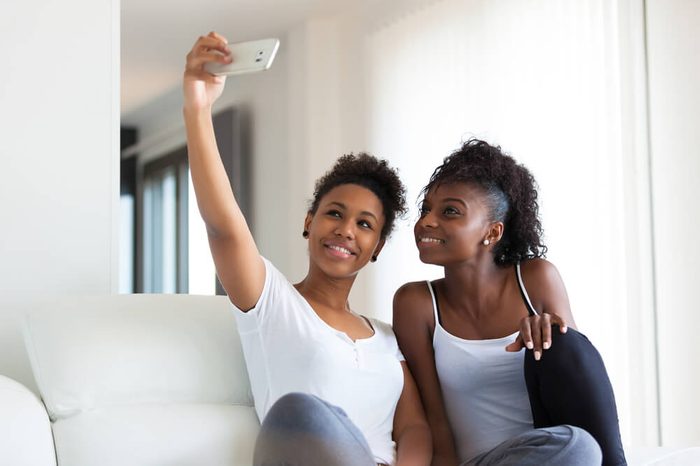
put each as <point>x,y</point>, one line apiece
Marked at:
<point>250,56</point>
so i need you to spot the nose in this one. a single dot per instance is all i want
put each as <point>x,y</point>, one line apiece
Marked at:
<point>427,220</point>
<point>346,229</point>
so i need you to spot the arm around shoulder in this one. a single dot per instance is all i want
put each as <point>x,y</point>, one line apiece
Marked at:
<point>546,289</point>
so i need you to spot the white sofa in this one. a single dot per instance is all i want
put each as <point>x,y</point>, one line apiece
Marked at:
<point>146,380</point>
<point>139,380</point>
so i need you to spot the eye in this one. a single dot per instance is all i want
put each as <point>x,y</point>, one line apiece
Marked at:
<point>424,209</point>
<point>365,224</point>
<point>334,213</point>
<point>449,210</point>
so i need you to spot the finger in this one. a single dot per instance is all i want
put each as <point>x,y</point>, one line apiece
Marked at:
<point>206,43</point>
<point>546,331</point>
<point>516,346</point>
<point>219,37</point>
<point>559,321</point>
<point>537,336</point>
<point>526,332</point>
<point>196,62</point>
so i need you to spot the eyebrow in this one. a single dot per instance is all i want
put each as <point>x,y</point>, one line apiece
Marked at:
<point>455,199</point>
<point>344,207</point>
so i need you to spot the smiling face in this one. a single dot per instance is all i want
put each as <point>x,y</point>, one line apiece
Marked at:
<point>453,224</point>
<point>345,230</point>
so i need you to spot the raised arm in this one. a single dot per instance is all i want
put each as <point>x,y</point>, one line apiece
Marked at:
<point>238,263</point>
<point>413,327</point>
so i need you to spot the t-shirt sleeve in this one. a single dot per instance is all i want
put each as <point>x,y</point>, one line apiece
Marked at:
<point>267,302</point>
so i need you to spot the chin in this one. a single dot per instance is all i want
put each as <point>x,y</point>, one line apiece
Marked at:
<point>336,269</point>
<point>427,258</point>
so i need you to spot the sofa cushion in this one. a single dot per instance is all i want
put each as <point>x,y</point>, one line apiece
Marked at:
<point>98,352</point>
<point>158,435</point>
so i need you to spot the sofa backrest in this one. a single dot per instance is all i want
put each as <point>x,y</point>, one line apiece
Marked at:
<point>92,352</point>
<point>143,380</point>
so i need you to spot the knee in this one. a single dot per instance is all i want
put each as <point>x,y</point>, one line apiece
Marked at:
<point>582,446</point>
<point>571,349</point>
<point>294,408</point>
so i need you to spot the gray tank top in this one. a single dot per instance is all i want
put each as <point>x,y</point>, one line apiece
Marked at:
<point>483,388</point>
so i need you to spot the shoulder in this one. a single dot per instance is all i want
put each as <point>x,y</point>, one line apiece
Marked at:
<point>412,290</point>
<point>413,301</point>
<point>539,272</point>
<point>545,286</point>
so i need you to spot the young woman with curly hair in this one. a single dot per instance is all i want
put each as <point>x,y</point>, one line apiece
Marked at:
<point>485,405</point>
<point>329,385</point>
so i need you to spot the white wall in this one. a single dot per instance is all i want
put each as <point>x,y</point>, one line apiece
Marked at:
<point>674,98</point>
<point>59,88</point>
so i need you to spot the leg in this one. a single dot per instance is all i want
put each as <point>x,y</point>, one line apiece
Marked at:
<point>303,430</point>
<point>569,385</point>
<point>551,446</point>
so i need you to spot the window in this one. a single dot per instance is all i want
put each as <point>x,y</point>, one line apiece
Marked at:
<point>164,247</point>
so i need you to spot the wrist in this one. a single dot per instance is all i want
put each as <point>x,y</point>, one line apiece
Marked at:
<point>196,111</point>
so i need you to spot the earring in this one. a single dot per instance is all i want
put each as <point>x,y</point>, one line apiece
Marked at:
<point>486,242</point>
<point>374,258</point>
<point>305,234</point>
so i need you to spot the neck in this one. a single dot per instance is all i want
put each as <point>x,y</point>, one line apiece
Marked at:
<point>472,288</point>
<point>318,287</point>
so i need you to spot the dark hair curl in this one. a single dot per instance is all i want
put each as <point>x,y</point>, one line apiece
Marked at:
<point>511,196</point>
<point>369,172</point>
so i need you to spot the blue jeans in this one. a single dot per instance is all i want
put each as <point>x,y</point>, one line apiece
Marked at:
<point>304,430</point>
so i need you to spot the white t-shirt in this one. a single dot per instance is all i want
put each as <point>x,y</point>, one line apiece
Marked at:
<point>288,348</point>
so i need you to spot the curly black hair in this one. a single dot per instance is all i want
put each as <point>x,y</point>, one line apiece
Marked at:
<point>369,172</point>
<point>511,196</point>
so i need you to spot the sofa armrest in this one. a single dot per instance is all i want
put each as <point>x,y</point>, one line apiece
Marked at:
<point>25,430</point>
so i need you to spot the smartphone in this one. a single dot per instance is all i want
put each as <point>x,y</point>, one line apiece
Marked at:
<point>254,55</point>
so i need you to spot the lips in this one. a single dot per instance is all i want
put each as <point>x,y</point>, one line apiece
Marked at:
<point>339,250</point>
<point>428,240</point>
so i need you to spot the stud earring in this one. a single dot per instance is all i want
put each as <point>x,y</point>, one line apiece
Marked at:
<point>374,258</point>
<point>486,242</point>
<point>305,234</point>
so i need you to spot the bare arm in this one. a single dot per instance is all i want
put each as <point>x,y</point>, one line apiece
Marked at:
<point>549,298</point>
<point>411,432</point>
<point>413,327</point>
<point>238,262</point>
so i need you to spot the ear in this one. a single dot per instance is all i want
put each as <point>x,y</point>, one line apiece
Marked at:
<point>495,232</point>
<point>307,221</point>
<point>379,247</point>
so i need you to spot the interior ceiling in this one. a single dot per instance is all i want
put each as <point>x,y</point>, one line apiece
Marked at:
<point>157,34</point>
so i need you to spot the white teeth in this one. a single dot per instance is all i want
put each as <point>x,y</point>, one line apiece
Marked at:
<point>430,240</point>
<point>343,250</point>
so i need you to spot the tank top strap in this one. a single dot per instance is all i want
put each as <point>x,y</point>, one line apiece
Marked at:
<point>434,299</point>
<point>523,292</point>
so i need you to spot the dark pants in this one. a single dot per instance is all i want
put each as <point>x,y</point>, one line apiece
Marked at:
<point>569,385</point>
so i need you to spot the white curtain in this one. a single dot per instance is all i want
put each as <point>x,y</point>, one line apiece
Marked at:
<point>548,80</point>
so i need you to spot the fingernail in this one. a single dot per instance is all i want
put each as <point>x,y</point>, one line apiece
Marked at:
<point>529,345</point>
<point>564,328</point>
<point>545,345</point>
<point>537,355</point>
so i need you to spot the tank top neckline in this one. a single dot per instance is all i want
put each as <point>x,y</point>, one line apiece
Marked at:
<point>438,324</point>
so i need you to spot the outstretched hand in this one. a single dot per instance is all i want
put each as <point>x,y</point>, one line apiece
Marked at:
<point>200,88</point>
<point>536,333</point>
